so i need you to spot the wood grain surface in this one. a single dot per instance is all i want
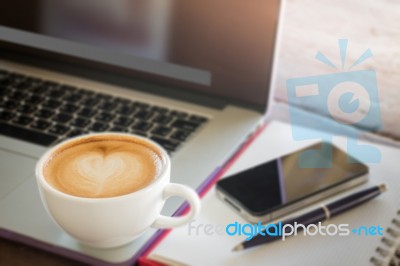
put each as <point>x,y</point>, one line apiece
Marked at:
<point>316,25</point>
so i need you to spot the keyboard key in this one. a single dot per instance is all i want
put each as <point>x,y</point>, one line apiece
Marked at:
<point>26,134</point>
<point>44,113</point>
<point>10,104</point>
<point>169,145</point>
<point>158,109</point>
<point>69,108</point>
<point>88,112</point>
<point>125,109</point>
<point>122,101</point>
<point>26,109</point>
<point>16,77</point>
<point>33,81</point>
<point>142,126</point>
<point>123,121</point>
<point>58,129</point>
<point>85,92</point>
<point>182,124</point>
<point>180,135</point>
<point>40,124</point>
<point>55,94</point>
<point>161,131</point>
<point>198,119</point>
<point>108,105</point>
<point>17,96</point>
<point>162,119</point>
<point>22,120</point>
<point>50,84</point>
<point>104,97</point>
<point>90,101</point>
<point>23,86</point>
<point>73,98</point>
<point>39,89</point>
<point>76,132</point>
<point>62,117</point>
<point>6,116</point>
<point>179,114</point>
<point>119,129</point>
<point>98,127</point>
<point>3,74</point>
<point>52,104</point>
<point>68,88</point>
<point>4,90</point>
<point>144,114</point>
<point>34,99</point>
<point>80,122</point>
<point>105,117</point>
<point>6,82</point>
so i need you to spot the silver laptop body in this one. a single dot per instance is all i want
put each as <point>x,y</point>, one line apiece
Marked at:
<point>171,72</point>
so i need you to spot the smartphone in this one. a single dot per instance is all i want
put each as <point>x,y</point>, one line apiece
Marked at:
<point>281,186</point>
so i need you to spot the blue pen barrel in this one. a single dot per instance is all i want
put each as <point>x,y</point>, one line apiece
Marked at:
<point>313,217</point>
<point>353,200</point>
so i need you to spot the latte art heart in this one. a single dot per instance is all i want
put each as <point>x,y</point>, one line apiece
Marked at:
<point>105,168</point>
<point>97,168</point>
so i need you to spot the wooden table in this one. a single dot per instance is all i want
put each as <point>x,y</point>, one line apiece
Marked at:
<point>16,254</point>
<point>316,25</point>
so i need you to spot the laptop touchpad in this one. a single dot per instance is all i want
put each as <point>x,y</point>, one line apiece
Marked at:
<point>14,169</point>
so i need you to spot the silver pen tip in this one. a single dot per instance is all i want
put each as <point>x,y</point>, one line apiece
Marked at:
<point>238,248</point>
<point>382,187</point>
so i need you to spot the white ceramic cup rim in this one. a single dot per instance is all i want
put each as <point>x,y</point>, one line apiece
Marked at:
<point>163,173</point>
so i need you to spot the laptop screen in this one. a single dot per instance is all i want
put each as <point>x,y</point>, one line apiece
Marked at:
<point>221,48</point>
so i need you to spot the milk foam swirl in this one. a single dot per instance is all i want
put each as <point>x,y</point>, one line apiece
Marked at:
<point>105,168</point>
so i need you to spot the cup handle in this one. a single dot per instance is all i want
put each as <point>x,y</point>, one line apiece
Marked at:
<point>188,194</point>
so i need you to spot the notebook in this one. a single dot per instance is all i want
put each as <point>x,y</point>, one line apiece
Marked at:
<point>388,252</point>
<point>276,140</point>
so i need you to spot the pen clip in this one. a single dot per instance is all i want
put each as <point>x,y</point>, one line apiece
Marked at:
<point>326,211</point>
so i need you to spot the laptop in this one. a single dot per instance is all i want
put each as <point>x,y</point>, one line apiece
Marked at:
<point>193,76</point>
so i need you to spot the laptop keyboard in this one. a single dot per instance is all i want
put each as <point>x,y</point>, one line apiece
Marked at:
<point>46,112</point>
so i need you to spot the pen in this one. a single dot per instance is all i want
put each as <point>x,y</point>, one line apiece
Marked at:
<point>323,213</point>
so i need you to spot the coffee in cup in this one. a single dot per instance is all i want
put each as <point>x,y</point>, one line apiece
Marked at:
<point>107,189</point>
<point>103,166</point>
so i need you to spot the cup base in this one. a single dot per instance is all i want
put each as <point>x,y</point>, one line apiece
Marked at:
<point>111,243</point>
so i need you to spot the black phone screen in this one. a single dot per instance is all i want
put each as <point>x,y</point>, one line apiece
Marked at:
<point>283,181</point>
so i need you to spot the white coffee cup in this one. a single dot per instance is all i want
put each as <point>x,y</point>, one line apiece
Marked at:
<point>115,221</point>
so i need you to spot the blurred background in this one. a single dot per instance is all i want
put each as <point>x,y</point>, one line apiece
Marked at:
<point>316,25</point>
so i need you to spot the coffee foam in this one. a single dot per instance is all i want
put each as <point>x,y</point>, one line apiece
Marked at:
<point>103,166</point>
